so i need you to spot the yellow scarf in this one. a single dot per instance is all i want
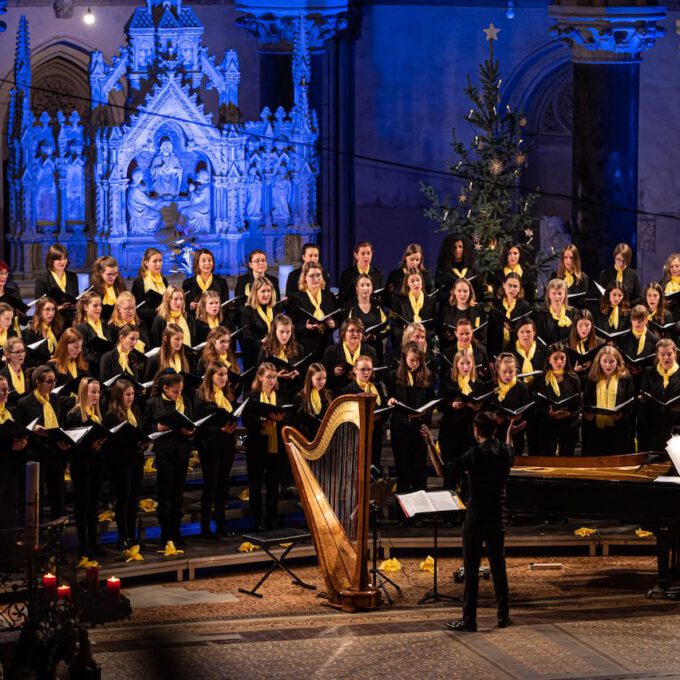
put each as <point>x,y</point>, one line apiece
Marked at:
<point>666,375</point>
<point>318,312</point>
<point>224,359</point>
<point>140,346</point>
<point>614,317</point>
<point>551,379</point>
<point>92,415</point>
<point>508,314</point>
<point>464,348</point>
<point>3,338</point>
<point>267,315</point>
<point>49,336</point>
<point>179,319</point>
<point>504,388</point>
<point>270,430</point>
<point>581,346</point>
<point>72,368</point>
<point>18,380</point>
<point>673,285</point>
<point>606,398</point>
<point>460,273</point>
<point>526,356</point>
<point>179,404</point>
<point>60,280</point>
<point>563,321</point>
<point>464,384</point>
<point>131,417</point>
<point>154,282</point>
<point>213,322</point>
<point>221,400</point>
<point>110,296</point>
<point>416,304</point>
<point>619,274</point>
<point>641,337</point>
<point>517,269</point>
<point>247,290</point>
<point>204,285</point>
<point>123,361</point>
<point>175,362</point>
<point>349,357</point>
<point>409,377</point>
<point>49,416</point>
<point>96,326</point>
<point>370,388</point>
<point>315,401</point>
<point>4,413</point>
<point>568,279</point>
<point>361,271</point>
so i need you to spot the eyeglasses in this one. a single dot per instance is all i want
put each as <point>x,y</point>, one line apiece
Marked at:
<point>318,275</point>
<point>18,351</point>
<point>354,331</point>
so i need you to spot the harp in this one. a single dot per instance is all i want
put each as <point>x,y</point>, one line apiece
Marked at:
<point>333,478</point>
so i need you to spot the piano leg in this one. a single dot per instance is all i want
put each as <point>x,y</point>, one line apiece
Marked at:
<point>668,564</point>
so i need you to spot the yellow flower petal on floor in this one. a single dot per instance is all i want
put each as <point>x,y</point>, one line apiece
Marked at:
<point>585,532</point>
<point>107,516</point>
<point>86,563</point>
<point>170,550</point>
<point>285,545</point>
<point>147,505</point>
<point>390,566</point>
<point>133,554</point>
<point>244,495</point>
<point>641,533</point>
<point>246,546</point>
<point>148,465</point>
<point>427,565</point>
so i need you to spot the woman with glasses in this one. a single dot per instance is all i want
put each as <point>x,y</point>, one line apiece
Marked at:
<point>46,324</point>
<point>341,358</point>
<point>107,282</point>
<point>41,405</point>
<point>257,318</point>
<point>257,269</point>
<point>14,355</point>
<point>125,314</point>
<point>363,307</point>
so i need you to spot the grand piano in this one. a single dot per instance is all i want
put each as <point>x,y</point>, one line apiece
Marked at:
<point>606,487</point>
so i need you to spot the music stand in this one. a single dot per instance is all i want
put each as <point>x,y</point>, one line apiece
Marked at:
<point>434,595</point>
<point>380,491</point>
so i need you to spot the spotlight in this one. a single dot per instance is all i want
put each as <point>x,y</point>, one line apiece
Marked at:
<point>88,18</point>
<point>510,12</point>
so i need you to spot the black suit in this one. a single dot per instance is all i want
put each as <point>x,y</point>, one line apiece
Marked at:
<point>548,329</point>
<point>350,275</point>
<point>193,292</point>
<point>93,356</point>
<point>655,422</point>
<point>45,281</point>
<point>158,327</point>
<point>631,281</point>
<point>401,305</point>
<point>335,356</point>
<point>610,439</point>
<point>552,433</point>
<point>146,312</point>
<point>312,341</point>
<point>109,366</point>
<point>245,281</point>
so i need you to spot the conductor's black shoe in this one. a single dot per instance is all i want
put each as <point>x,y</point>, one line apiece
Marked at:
<point>462,625</point>
<point>504,621</point>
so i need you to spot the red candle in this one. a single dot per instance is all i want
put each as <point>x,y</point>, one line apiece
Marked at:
<point>113,587</point>
<point>64,593</point>
<point>50,585</point>
<point>92,579</point>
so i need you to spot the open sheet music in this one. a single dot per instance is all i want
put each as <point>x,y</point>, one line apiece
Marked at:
<point>420,502</point>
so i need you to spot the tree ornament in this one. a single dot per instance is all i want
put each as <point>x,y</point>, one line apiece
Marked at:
<point>495,167</point>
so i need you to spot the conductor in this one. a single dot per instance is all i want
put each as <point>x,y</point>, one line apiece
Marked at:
<point>487,465</point>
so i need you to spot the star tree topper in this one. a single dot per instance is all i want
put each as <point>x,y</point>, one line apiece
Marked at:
<point>491,34</point>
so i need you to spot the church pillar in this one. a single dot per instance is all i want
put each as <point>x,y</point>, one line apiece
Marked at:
<point>606,44</point>
<point>273,23</point>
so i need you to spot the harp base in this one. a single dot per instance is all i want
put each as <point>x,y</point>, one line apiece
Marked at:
<point>357,600</point>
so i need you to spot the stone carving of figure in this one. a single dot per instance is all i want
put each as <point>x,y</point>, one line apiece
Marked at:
<point>144,213</point>
<point>46,190</point>
<point>281,194</point>
<point>254,194</point>
<point>166,170</point>
<point>197,213</point>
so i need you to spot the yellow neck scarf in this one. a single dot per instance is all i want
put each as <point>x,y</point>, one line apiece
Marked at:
<point>110,296</point>
<point>568,279</point>
<point>666,375</point>
<point>526,356</point>
<point>123,361</point>
<point>464,384</point>
<point>517,269</point>
<point>4,413</point>
<point>60,280</point>
<point>315,401</point>
<point>267,315</point>
<point>18,380</point>
<point>96,326</point>
<point>72,368</point>
<point>49,336</point>
<point>213,322</point>
<point>462,348</point>
<point>176,362</point>
<point>614,317</point>
<point>154,282</point>
<point>92,414</point>
<point>409,377</point>
<point>581,346</point>
<point>204,285</point>
<point>270,430</point>
<point>416,304</point>
<point>460,273</point>
<point>131,417</point>
<point>362,271</point>
<point>179,319</point>
<point>504,388</point>
<point>673,285</point>
<point>619,273</point>
<point>551,379</point>
<point>563,321</point>
<point>3,337</point>
<point>225,360</point>
<point>508,306</point>
<point>318,312</point>
<point>606,398</point>
<point>370,388</point>
<point>140,346</point>
<point>179,404</point>
<point>640,337</point>
<point>49,416</point>
<point>349,357</point>
<point>221,400</point>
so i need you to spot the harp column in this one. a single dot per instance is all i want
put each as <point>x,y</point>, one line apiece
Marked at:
<point>330,24</point>
<point>606,44</point>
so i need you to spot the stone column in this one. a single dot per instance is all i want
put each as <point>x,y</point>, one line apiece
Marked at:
<point>273,23</point>
<point>606,44</point>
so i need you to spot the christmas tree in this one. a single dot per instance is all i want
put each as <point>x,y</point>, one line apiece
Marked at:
<point>490,210</point>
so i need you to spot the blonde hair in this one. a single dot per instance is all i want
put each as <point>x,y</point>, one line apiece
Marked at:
<point>463,354</point>
<point>306,268</point>
<point>116,319</point>
<point>562,270</point>
<point>60,360</point>
<point>258,284</point>
<point>265,366</point>
<point>84,302</point>
<point>201,312</point>
<point>163,309</point>
<point>81,398</point>
<point>596,373</point>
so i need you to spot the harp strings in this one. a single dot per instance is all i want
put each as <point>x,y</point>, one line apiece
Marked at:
<point>336,471</point>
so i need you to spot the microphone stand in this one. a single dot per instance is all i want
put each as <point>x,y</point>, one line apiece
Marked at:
<point>380,580</point>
